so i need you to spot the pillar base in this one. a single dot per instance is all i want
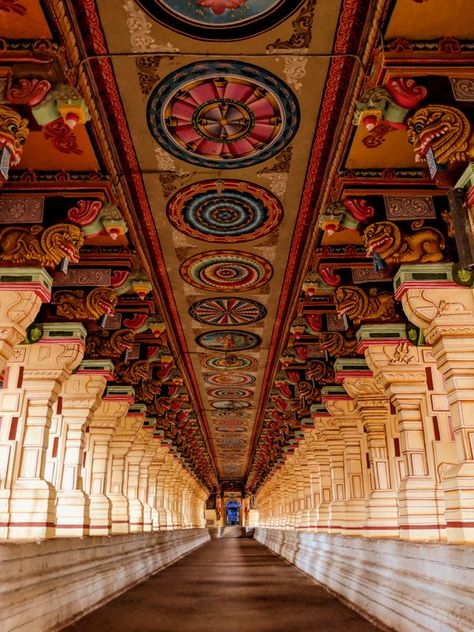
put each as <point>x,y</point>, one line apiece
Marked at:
<point>32,511</point>
<point>100,515</point>
<point>72,514</point>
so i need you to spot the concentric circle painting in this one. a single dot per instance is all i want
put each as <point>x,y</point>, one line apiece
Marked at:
<point>229,362</point>
<point>220,19</point>
<point>223,114</point>
<point>230,404</point>
<point>226,270</point>
<point>227,311</point>
<point>228,340</point>
<point>226,211</point>
<point>230,393</point>
<point>229,379</point>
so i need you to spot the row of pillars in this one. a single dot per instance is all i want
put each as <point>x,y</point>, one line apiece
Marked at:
<point>391,452</point>
<point>76,456</point>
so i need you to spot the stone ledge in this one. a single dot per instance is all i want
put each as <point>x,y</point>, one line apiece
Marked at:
<point>54,582</point>
<point>403,586</point>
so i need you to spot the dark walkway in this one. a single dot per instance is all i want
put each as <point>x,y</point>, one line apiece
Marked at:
<point>228,585</point>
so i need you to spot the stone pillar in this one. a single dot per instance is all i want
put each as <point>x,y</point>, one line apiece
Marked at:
<point>153,471</point>
<point>330,432</point>
<point>445,313</point>
<point>22,291</point>
<point>373,408</point>
<point>144,482</point>
<point>80,397</point>
<point>107,417</point>
<point>117,485</point>
<point>34,378</point>
<point>399,369</point>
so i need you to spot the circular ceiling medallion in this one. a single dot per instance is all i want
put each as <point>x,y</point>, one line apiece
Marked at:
<point>230,404</point>
<point>223,114</point>
<point>220,19</point>
<point>227,430</point>
<point>230,417</point>
<point>230,393</point>
<point>229,379</point>
<point>228,340</point>
<point>224,211</point>
<point>227,311</point>
<point>226,270</point>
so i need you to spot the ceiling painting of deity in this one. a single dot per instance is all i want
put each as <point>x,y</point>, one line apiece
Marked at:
<point>220,19</point>
<point>228,340</point>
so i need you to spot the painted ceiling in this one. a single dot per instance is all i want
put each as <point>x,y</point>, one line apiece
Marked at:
<point>227,117</point>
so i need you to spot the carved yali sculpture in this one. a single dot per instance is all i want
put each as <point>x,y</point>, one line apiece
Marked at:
<point>33,245</point>
<point>107,345</point>
<point>443,129</point>
<point>13,133</point>
<point>354,303</point>
<point>133,372</point>
<point>319,371</point>
<point>337,345</point>
<point>77,304</point>
<point>220,19</point>
<point>426,245</point>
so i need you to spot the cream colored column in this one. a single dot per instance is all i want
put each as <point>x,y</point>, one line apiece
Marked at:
<point>80,397</point>
<point>22,291</point>
<point>162,494</point>
<point>153,471</point>
<point>374,410</point>
<point>34,378</point>
<point>145,480</point>
<point>120,443</point>
<point>445,312</point>
<point>399,368</point>
<point>107,417</point>
<point>330,432</point>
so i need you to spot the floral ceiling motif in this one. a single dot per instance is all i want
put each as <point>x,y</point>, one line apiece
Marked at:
<point>226,270</point>
<point>220,19</point>
<point>229,362</point>
<point>223,114</point>
<point>224,211</point>
<point>227,311</point>
<point>228,340</point>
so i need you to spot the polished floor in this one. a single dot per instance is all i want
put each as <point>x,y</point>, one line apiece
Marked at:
<point>227,585</point>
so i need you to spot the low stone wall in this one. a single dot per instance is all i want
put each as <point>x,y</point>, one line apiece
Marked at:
<point>48,584</point>
<point>403,586</point>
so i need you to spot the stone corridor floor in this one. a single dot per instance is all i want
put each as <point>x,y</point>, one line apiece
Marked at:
<point>227,585</point>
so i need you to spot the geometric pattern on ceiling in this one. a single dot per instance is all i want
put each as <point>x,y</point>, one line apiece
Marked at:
<point>227,311</point>
<point>224,211</point>
<point>223,114</point>
<point>220,19</point>
<point>228,362</point>
<point>226,270</point>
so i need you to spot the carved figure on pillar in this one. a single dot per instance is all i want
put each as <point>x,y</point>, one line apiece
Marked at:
<point>74,304</point>
<point>359,306</point>
<point>35,245</point>
<point>426,245</point>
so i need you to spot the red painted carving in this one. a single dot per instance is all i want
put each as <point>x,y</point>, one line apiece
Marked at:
<point>405,92</point>
<point>119,277</point>
<point>359,209</point>
<point>62,137</point>
<point>28,91</point>
<point>85,212</point>
<point>314,321</point>
<point>219,6</point>
<point>137,321</point>
<point>293,376</point>
<point>301,351</point>
<point>284,389</point>
<point>13,6</point>
<point>328,275</point>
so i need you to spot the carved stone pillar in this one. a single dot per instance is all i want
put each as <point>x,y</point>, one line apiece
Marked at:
<point>153,471</point>
<point>107,417</point>
<point>144,481</point>
<point>399,369</point>
<point>22,291</point>
<point>162,493</point>
<point>80,397</point>
<point>373,408</point>
<point>341,408</point>
<point>445,312</point>
<point>120,443</point>
<point>34,378</point>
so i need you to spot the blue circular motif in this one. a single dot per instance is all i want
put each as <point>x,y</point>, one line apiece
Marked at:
<point>223,114</point>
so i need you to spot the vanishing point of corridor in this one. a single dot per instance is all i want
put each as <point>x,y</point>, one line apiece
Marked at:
<point>233,584</point>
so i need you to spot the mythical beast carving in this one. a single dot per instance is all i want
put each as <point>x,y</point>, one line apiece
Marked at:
<point>13,133</point>
<point>104,345</point>
<point>426,245</point>
<point>337,345</point>
<point>446,130</point>
<point>360,307</point>
<point>76,304</point>
<point>44,247</point>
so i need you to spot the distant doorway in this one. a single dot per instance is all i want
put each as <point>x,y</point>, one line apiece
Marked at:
<point>232,513</point>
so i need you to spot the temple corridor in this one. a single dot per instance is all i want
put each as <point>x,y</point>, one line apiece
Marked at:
<point>233,584</point>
